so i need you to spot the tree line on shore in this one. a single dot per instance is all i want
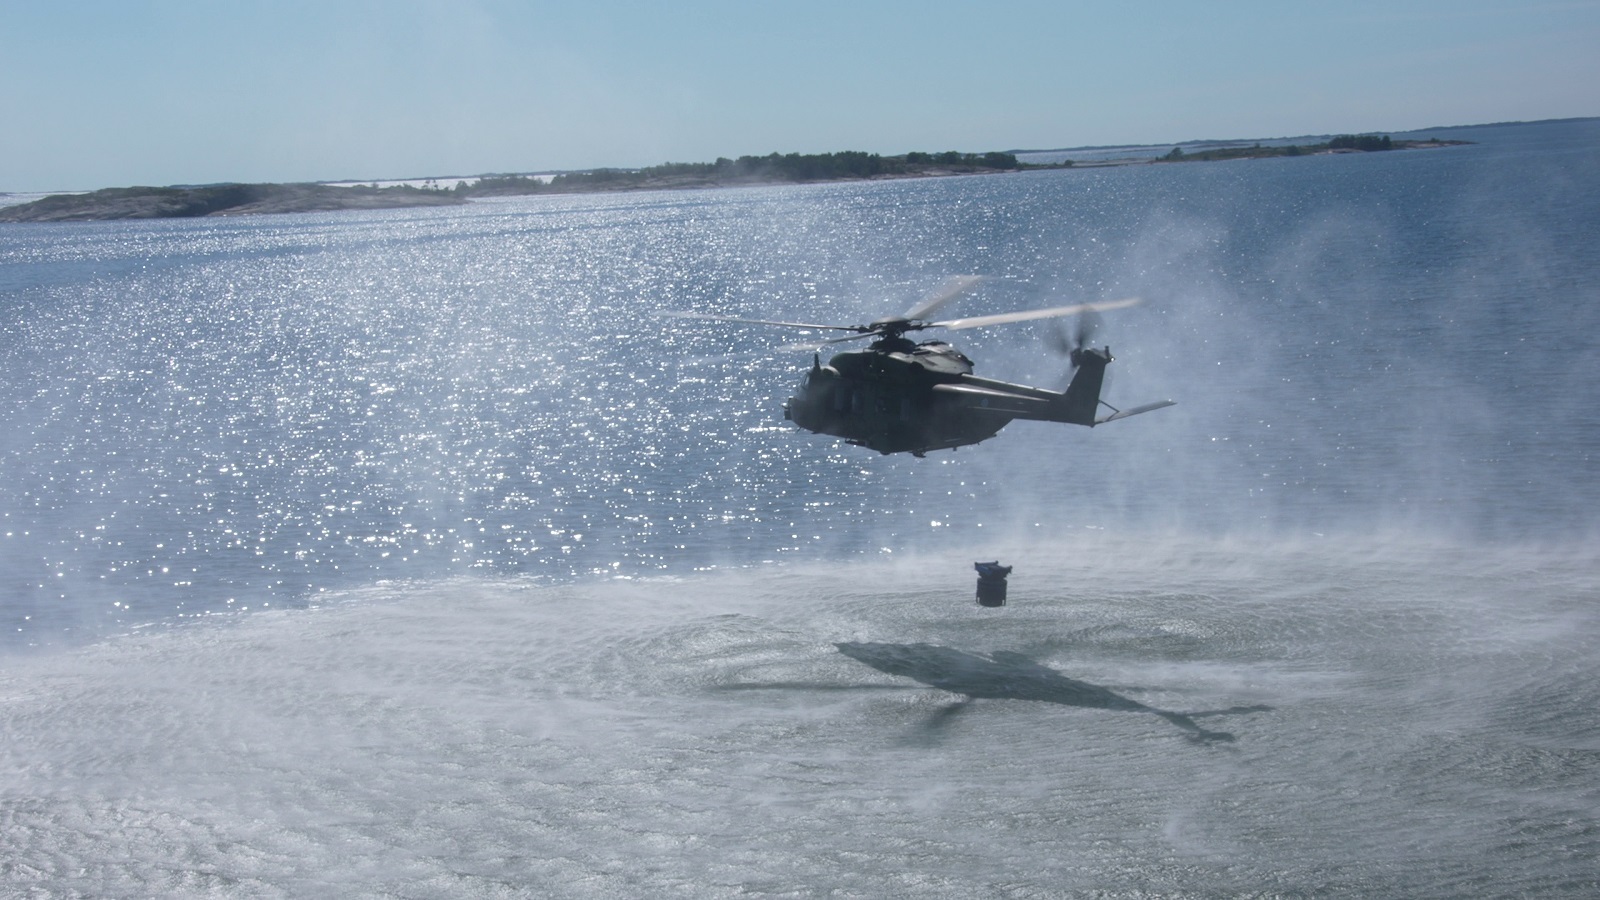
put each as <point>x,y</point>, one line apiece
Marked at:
<point>1366,143</point>
<point>234,199</point>
<point>774,167</point>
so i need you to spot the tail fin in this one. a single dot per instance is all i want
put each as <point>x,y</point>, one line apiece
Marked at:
<point>1082,398</point>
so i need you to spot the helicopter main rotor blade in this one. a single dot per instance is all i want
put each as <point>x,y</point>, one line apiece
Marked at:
<point>1029,315</point>
<point>807,325</point>
<point>810,346</point>
<point>953,287</point>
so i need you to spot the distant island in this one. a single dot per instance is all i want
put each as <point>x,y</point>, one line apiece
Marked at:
<point>250,199</point>
<point>217,200</point>
<point>793,168</point>
<point>1344,143</point>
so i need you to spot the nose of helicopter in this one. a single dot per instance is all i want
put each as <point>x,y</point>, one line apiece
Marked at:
<point>806,408</point>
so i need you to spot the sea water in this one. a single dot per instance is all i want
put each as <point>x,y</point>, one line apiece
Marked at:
<point>414,553</point>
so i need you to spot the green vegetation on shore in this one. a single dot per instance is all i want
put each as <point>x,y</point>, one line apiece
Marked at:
<point>217,200</point>
<point>1344,143</point>
<point>245,199</point>
<point>792,168</point>
<point>774,168</point>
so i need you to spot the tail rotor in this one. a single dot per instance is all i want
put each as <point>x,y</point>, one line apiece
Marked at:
<point>1071,341</point>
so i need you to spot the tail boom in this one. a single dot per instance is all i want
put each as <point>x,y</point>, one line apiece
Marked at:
<point>1079,404</point>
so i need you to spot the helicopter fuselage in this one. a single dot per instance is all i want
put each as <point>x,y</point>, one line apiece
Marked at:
<point>897,396</point>
<point>900,397</point>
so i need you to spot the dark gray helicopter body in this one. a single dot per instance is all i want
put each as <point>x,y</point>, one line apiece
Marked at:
<point>897,396</point>
<point>926,398</point>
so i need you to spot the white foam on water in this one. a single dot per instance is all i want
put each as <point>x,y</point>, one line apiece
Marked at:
<point>1168,718</point>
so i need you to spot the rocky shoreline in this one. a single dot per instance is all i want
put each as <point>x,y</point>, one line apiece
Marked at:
<point>218,200</point>
<point>257,199</point>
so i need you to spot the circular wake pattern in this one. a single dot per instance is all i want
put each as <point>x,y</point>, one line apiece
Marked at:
<point>1173,719</point>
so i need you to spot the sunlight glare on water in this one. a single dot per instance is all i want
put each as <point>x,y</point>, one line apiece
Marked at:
<point>213,414</point>
<point>413,552</point>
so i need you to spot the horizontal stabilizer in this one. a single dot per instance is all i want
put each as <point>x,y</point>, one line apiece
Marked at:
<point>1124,413</point>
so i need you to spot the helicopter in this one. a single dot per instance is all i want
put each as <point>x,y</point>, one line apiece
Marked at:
<point>901,396</point>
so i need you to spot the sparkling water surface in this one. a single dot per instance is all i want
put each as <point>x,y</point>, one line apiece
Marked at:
<point>412,553</point>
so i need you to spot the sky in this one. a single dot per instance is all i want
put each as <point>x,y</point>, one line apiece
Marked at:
<point>112,93</point>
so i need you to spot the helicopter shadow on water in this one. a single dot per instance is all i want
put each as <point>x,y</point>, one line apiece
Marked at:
<point>1004,675</point>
